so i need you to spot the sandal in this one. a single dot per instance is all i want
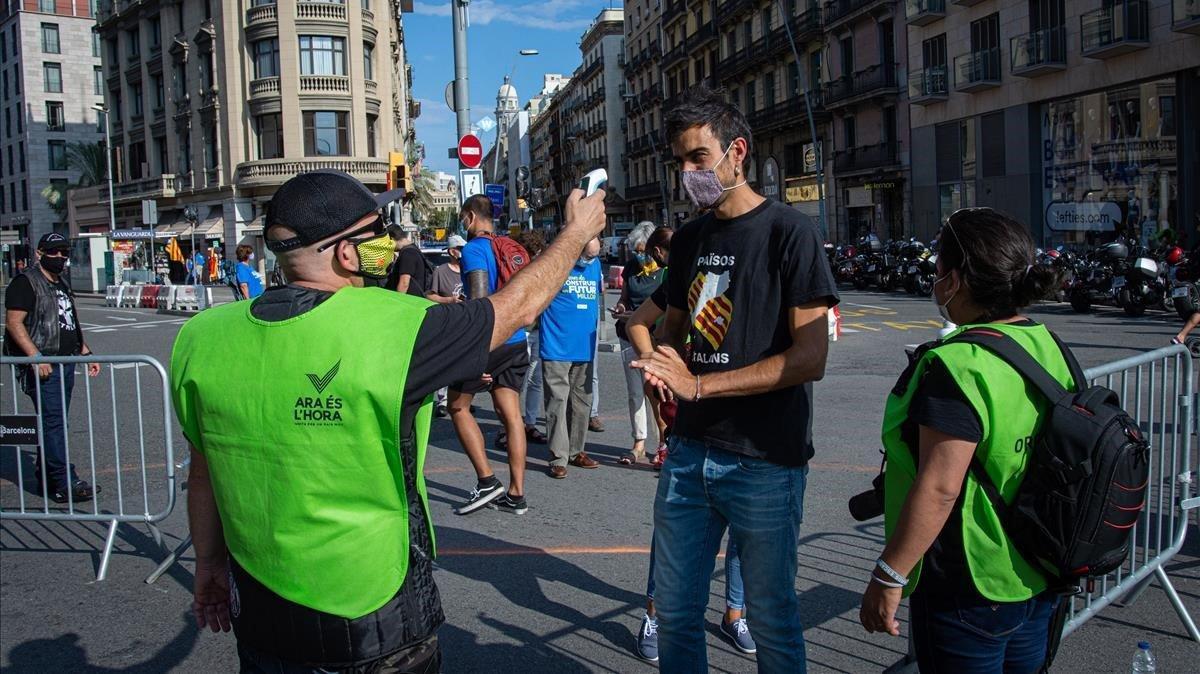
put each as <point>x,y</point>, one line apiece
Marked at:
<point>628,459</point>
<point>535,436</point>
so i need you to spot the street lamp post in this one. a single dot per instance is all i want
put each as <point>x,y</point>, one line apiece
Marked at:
<point>812,129</point>
<point>662,178</point>
<point>112,208</point>
<point>192,216</point>
<point>462,101</point>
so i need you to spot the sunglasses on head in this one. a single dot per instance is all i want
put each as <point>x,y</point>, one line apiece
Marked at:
<point>375,228</point>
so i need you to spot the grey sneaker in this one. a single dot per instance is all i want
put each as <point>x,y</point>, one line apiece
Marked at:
<point>480,497</point>
<point>510,504</point>
<point>739,634</point>
<point>647,639</point>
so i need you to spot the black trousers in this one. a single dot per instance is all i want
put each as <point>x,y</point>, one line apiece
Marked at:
<point>424,657</point>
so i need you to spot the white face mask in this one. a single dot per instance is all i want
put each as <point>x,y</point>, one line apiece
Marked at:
<point>943,309</point>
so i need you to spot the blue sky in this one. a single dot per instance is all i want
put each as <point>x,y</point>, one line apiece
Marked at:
<point>499,28</point>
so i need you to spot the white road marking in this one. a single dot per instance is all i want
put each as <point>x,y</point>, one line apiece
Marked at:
<point>103,330</point>
<point>111,310</point>
<point>120,318</point>
<point>866,306</point>
<point>849,331</point>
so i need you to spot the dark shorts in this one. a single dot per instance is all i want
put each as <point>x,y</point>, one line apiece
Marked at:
<point>507,365</point>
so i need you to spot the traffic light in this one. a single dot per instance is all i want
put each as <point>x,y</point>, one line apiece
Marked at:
<point>398,175</point>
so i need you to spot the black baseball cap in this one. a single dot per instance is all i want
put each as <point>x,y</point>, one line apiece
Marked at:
<point>319,204</point>
<point>53,241</point>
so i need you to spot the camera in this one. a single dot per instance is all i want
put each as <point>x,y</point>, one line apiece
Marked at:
<point>869,504</point>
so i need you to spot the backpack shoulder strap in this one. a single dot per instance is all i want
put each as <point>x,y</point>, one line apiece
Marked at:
<point>1008,350</point>
<point>1081,382</point>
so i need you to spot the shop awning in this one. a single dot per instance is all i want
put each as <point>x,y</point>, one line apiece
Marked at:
<point>213,226</point>
<point>173,225</point>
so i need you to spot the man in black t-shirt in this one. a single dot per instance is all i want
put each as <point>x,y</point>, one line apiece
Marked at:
<point>410,273</point>
<point>748,293</point>
<point>41,320</point>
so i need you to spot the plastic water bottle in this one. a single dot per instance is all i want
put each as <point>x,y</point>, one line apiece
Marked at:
<point>1143,659</point>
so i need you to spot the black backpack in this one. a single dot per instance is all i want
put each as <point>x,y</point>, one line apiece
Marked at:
<point>1085,482</point>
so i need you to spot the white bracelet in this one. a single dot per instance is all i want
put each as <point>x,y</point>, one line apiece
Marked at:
<point>885,583</point>
<point>891,573</point>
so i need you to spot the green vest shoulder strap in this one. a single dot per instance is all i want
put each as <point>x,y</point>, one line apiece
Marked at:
<point>1009,412</point>
<point>300,423</point>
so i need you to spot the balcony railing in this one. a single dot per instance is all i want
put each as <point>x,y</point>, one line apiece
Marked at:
<point>793,111</point>
<point>591,69</point>
<point>321,11</point>
<point>276,171</point>
<point>675,54</point>
<point>324,84</point>
<point>872,81</point>
<point>865,158</point>
<point>263,14</point>
<point>1117,29</point>
<point>1185,16</point>
<point>640,192</point>
<point>731,9</point>
<point>1039,52</point>
<point>704,34</point>
<point>264,86</point>
<point>672,9</point>
<point>367,15</point>
<point>924,12</point>
<point>371,87</point>
<point>838,10</point>
<point>135,190</point>
<point>977,70</point>
<point>928,85</point>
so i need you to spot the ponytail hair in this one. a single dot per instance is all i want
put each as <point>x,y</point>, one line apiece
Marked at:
<point>996,257</point>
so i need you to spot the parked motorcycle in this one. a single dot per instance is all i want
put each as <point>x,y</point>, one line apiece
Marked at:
<point>1096,274</point>
<point>1184,275</point>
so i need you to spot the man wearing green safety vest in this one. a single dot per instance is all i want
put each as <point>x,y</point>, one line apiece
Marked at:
<point>306,500</point>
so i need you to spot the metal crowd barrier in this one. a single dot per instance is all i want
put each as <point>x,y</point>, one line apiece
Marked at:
<point>126,446</point>
<point>162,297</point>
<point>1159,390</point>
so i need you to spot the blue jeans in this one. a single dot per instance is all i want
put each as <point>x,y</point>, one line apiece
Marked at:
<point>701,491</point>
<point>1001,638</point>
<point>56,404</point>
<point>534,402</point>
<point>735,591</point>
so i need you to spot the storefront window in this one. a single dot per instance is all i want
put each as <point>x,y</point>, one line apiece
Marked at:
<point>1109,164</point>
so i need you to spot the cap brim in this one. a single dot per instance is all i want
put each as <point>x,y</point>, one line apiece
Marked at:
<point>389,196</point>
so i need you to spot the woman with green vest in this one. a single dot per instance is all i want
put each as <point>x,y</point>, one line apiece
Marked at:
<point>975,604</point>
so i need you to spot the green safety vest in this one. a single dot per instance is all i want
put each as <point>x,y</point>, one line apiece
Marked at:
<point>1010,412</point>
<point>299,420</point>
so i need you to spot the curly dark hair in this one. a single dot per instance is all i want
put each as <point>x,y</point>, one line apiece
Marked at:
<point>532,240</point>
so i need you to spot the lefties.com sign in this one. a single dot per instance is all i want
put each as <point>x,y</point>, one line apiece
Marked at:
<point>1082,216</point>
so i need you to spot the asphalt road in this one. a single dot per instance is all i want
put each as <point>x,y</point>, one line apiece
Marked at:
<point>559,589</point>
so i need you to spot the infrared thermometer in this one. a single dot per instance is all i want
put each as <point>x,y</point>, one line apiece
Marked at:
<point>593,181</point>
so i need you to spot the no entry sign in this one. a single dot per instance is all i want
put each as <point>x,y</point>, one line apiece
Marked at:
<point>470,151</point>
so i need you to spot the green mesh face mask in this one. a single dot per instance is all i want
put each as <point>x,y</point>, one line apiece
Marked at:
<point>375,256</point>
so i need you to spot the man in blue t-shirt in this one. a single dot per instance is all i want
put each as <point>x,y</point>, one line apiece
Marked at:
<point>505,373</point>
<point>568,342</point>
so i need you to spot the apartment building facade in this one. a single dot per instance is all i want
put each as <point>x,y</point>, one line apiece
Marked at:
<point>48,85</point>
<point>646,153</point>
<point>213,105</point>
<point>1080,117</point>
